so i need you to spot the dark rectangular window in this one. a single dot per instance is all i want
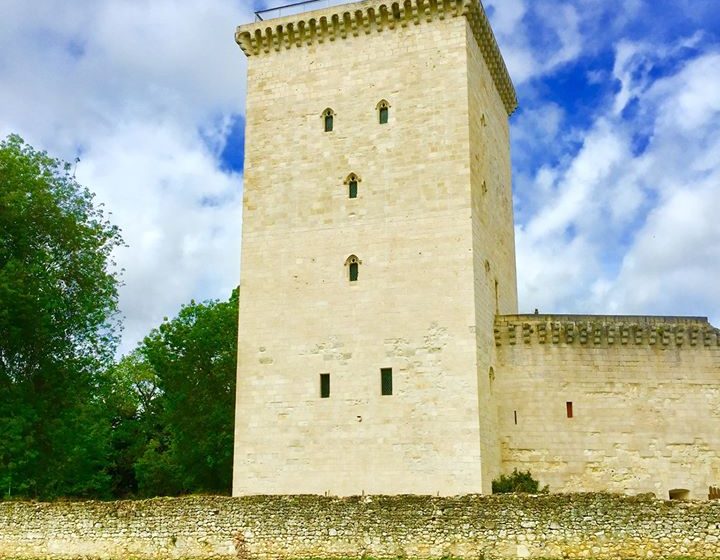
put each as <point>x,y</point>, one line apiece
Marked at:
<point>328,123</point>
<point>354,268</point>
<point>324,385</point>
<point>515,415</point>
<point>384,115</point>
<point>386,381</point>
<point>568,409</point>
<point>353,189</point>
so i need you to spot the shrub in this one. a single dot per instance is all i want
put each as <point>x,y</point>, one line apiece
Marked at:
<point>518,482</point>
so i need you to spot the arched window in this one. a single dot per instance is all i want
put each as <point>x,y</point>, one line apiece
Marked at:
<point>353,264</point>
<point>328,117</point>
<point>352,183</point>
<point>383,109</point>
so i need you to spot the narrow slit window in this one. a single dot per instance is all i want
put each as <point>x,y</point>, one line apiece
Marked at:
<point>515,415</point>
<point>352,188</point>
<point>328,119</point>
<point>353,265</point>
<point>324,385</point>
<point>384,114</point>
<point>569,409</point>
<point>386,386</point>
<point>383,111</point>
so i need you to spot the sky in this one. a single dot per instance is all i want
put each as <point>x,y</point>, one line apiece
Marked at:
<point>615,145</point>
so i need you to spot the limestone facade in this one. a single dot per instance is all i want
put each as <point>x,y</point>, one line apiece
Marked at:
<point>427,227</point>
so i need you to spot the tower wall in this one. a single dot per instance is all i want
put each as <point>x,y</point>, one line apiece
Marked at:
<point>493,238</point>
<point>416,227</point>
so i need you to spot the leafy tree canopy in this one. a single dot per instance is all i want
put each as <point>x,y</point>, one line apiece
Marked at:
<point>182,379</point>
<point>58,299</point>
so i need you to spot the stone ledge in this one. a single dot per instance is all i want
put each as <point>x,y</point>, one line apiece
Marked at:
<point>376,16</point>
<point>605,330</point>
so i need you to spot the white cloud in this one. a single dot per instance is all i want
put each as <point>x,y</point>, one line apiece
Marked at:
<point>516,34</point>
<point>146,92</point>
<point>634,233</point>
<point>163,193</point>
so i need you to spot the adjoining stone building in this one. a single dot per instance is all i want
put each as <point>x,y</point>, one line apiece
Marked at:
<point>380,349</point>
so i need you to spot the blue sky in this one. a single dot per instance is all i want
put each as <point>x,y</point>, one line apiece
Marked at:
<point>616,144</point>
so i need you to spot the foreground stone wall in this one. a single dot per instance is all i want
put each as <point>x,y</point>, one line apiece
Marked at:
<point>301,527</point>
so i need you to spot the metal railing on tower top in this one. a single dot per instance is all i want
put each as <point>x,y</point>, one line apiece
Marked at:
<point>304,6</point>
<point>297,8</point>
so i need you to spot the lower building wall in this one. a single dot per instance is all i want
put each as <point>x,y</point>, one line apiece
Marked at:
<point>303,527</point>
<point>645,403</point>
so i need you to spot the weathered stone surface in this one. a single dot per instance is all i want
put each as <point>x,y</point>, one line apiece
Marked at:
<point>599,526</point>
<point>645,395</point>
<point>477,389</point>
<point>431,227</point>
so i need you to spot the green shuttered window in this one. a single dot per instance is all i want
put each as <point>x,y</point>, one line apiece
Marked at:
<point>384,113</point>
<point>386,381</point>
<point>324,385</point>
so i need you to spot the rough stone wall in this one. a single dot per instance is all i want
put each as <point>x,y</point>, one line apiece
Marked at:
<point>411,226</point>
<point>417,527</point>
<point>645,395</point>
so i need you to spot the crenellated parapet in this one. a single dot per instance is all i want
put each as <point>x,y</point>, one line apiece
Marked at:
<point>373,16</point>
<point>605,330</point>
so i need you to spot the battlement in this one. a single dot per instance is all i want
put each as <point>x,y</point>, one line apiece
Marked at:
<point>340,21</point>
<point>605,330</point>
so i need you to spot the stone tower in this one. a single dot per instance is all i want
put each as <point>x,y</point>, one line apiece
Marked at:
<point>377,249</point>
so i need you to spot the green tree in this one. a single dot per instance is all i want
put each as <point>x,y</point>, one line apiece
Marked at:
<point>184,378</point>
<point>58,299</point>
<point>130,398</point>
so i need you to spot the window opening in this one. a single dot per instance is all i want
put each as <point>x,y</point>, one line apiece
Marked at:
<point>386,381</point>
<point>383,109</point>
<point>328,119</point>
<point>352,183</point>
<point>497,298</point>
<point>324,385</point>
<point>515,415</point>
<point>569,409</point>
<point>679,494</point>
<point>353,264</point>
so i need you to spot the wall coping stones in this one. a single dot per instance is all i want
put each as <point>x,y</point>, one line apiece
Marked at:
<point>605,330</point>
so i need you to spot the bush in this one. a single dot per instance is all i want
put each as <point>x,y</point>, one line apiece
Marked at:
<point>518,482</point>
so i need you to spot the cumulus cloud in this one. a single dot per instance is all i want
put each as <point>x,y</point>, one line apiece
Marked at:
<point>146,94</point>
<point>527,53</point>
<point>616,211</point>
<point>628,229</point>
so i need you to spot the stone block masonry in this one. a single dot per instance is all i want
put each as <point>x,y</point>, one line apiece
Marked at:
<point>610,403</point>
<point>428,228</point>
<point>599,526</point>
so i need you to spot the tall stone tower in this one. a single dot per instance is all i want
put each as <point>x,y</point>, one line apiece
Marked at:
<point>377,249</point>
